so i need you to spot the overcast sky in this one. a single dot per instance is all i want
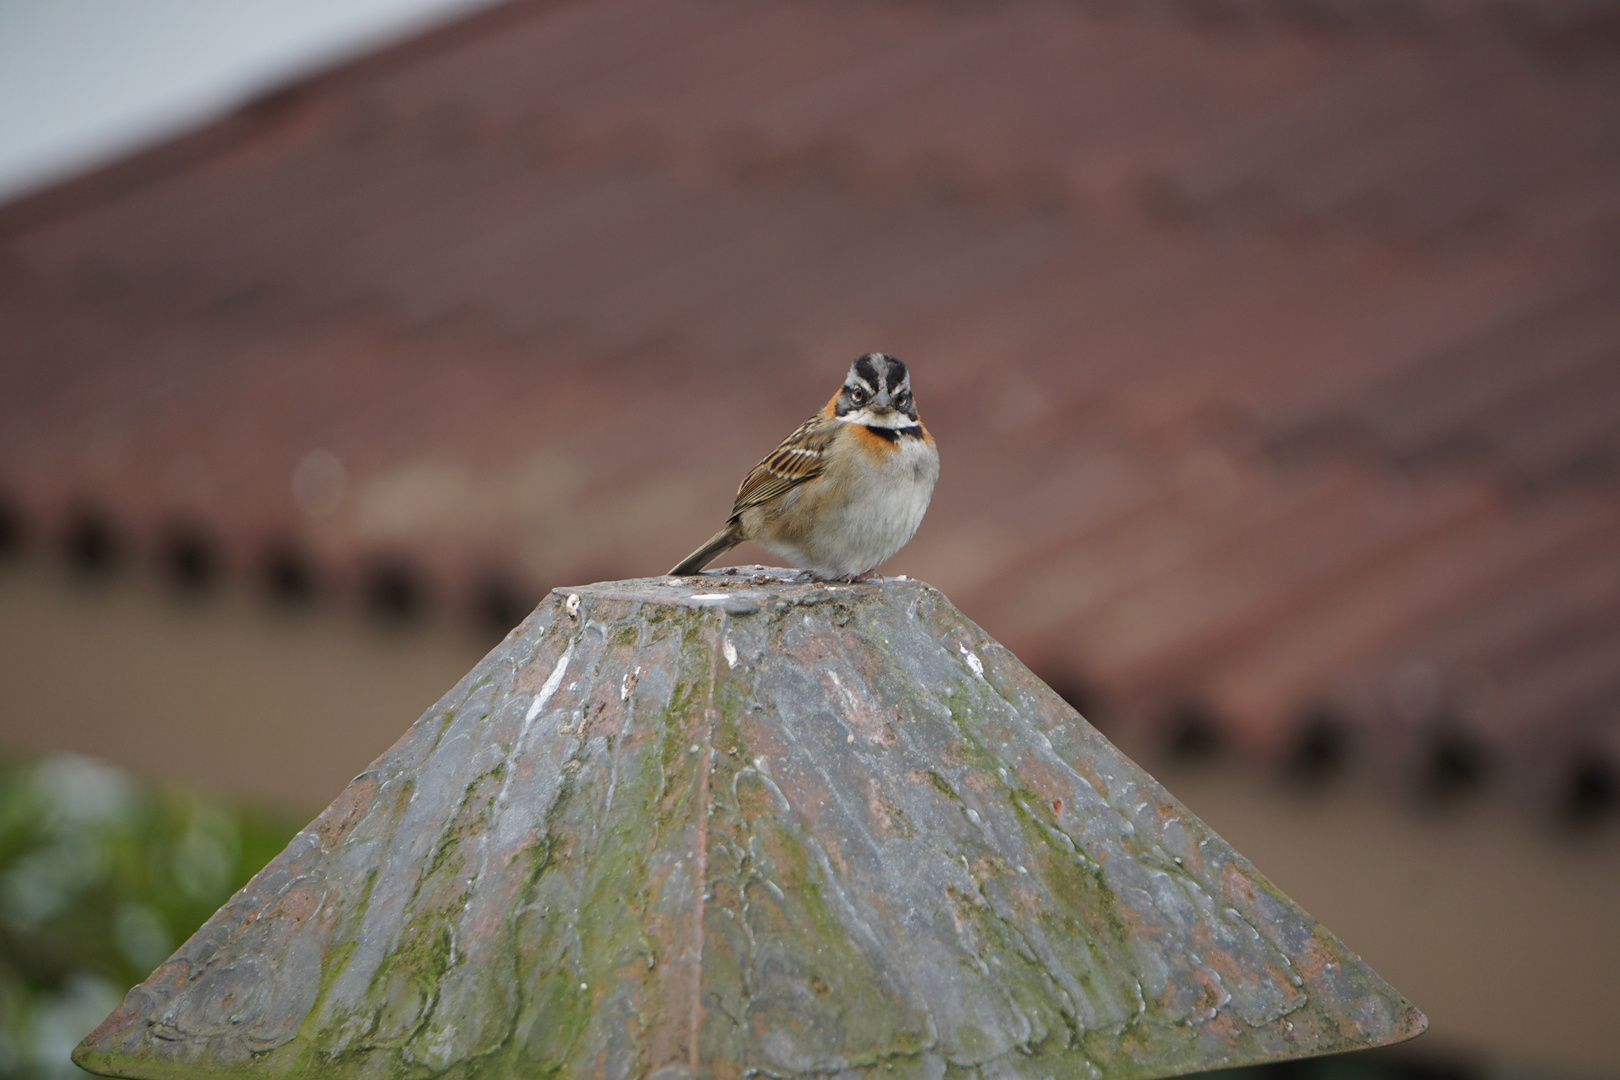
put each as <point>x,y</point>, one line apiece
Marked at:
<point>82,81</point>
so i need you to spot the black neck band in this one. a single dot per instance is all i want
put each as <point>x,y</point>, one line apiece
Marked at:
<point>895,434</point>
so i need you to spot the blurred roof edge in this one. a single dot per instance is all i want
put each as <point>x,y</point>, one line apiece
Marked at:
<point>56,197</point>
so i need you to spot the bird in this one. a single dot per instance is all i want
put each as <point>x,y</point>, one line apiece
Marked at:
<point>846,490</point>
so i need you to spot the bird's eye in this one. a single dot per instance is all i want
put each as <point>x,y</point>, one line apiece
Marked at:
<point>857,395</point>
<point>904,400</point>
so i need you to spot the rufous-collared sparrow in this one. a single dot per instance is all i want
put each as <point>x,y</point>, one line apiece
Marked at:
<point>847,489</point>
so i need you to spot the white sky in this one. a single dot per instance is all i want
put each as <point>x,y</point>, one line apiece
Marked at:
<point>82,81</point>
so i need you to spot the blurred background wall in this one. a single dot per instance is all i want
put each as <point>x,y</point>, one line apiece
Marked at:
<point>1272,347</point>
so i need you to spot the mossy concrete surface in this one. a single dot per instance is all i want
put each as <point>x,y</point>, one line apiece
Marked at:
<point>741,826</point>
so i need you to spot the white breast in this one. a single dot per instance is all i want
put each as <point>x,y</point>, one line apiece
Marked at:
<point>884,504</point>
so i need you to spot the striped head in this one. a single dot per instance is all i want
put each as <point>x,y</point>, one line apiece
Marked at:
<point>877,393</point>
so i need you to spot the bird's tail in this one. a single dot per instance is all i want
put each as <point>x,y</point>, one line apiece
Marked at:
<point>720,543</point>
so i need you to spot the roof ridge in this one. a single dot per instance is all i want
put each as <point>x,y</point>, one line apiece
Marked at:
<point>250,117</point>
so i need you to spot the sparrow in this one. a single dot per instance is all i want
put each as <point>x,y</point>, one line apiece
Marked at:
<point>847,489</point>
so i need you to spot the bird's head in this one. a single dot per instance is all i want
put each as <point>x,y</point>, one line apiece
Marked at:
<point>877,392</point>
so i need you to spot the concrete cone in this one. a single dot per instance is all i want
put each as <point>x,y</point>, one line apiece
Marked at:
<point>732,826</point>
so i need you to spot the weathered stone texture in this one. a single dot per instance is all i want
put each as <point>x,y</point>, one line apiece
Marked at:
<point>735,827</point>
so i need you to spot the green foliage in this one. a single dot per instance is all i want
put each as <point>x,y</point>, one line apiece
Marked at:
<point>101,878</point>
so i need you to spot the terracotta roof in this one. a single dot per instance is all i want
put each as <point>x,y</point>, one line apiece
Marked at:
<point>1271,347</point>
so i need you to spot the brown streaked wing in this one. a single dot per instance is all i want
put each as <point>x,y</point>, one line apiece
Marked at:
<point>801,457</point>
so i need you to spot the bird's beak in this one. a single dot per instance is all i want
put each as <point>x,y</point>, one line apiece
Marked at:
<point>883,402</point>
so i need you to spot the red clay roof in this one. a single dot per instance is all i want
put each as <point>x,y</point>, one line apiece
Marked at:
<point>1273,349</point>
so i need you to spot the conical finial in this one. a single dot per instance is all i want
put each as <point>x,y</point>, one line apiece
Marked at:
<point>737,825</point>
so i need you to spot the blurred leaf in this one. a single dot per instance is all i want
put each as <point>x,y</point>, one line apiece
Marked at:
<point>101,878</point>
